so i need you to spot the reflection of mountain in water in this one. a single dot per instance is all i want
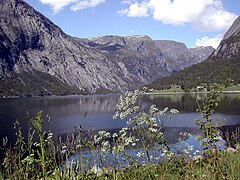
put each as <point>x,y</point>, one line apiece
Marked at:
<point>95,112</point>
<point>230,103</point>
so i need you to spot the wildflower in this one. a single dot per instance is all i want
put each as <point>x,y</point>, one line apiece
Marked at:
<point>185,151</point>
<point>153,109</point>
<point>78,146</point>
<point>96,170</point>
<point>63,151</point>
<point>155,125</point>
<point>174,111</point>
<point>107,134</point>
<point>170,155</point>
<point>101,133</point>
<point>152,130</point>
<point>115,135</point>
<point>140,154</point>
<point>196,152</point>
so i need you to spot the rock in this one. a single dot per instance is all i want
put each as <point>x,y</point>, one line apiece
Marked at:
<point>202,53</point>
<point>230,45</point>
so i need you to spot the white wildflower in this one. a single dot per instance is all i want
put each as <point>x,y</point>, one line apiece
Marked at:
<point>153,130</point>
<point>115,135</point>
<point>153,109</point>
<point>185,151</point>
<point>174,111</point>
<point>196,152</point>
<point>63,151</point>
<point>140,154</point>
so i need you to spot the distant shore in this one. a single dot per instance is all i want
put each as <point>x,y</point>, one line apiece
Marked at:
<point>118,94</point>
<point>191,92</point>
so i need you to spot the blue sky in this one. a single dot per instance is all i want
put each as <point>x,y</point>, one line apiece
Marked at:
<point>194,22</point>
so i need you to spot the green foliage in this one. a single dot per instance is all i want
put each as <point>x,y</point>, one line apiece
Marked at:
<point>207,72</point>
<point>35,84</point>
<point>209,128</point>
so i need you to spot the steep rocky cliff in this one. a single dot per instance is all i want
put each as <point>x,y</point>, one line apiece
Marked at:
<point>155,57</point>
<point>30,41</point>
<point>31,45</point>
<point>230,44</point>
<point>202,53</point>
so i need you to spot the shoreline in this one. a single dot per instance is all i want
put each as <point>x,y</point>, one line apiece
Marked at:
<point>117,94</point>
<point>191,92</point>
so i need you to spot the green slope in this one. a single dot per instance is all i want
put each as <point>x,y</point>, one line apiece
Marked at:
<point>210,71</point>
<point>35,84</point>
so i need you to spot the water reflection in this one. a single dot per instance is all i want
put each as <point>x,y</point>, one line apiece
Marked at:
<point>95,112</point>
<point>230,103</point>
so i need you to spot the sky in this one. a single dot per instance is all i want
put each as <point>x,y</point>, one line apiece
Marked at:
<point>193,22</point>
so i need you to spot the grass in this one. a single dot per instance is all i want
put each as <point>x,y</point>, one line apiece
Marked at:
<point>232,88</point>
<point>170,90</point>
<point>176,89</point>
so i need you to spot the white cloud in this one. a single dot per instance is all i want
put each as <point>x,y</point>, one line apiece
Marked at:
<point>126,2</point>
<point>84,4</point>
<point>135,10</point>
<point>207,41</point>
<point>76,5</point>
<point>205,15</point>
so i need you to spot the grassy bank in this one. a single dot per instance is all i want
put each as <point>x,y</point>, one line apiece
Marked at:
<point>178,89</point>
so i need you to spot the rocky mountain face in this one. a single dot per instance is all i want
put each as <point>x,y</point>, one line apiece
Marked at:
<point>202,52</point>
<point>143,56</point>
<point>179,56</point>
<point>230,44</point>
<point>31,43</point>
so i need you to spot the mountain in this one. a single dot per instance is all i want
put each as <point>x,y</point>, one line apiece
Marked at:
<point>30,42</point>
<point>38,58</point>
<point>222,64</point>
<point>202,52</point>
<point>230,45</point>
<point>171,55</point>
<point>146,59</point>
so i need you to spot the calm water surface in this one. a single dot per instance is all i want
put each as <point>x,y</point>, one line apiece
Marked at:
<point>95,112</point>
